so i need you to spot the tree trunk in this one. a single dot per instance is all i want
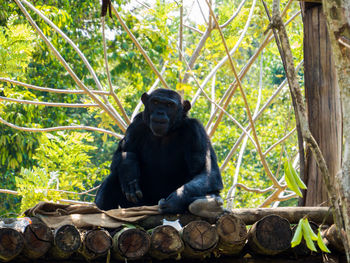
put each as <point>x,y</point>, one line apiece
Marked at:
<point>66,242</point>
<point>323,103</point>
<point>95,243</point>
<point>337,13</point>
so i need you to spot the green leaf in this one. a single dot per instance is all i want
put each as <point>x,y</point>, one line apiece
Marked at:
<point>298,180</point>
<point>309,235</point>
<point>321,244</point>
<point>292,184</point>
<point>298,234</point>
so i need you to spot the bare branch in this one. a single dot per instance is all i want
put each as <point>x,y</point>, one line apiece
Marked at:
<point>200,9</point>
<point>234,14</point>
<point>81,55</point>
<point>344,41</point>
<point>61,128</point>
<point>279,141</point>
<point>223,60</point>
<point>10,192</point>
<point>115,97</point>
<point>139,47</point>
<point>65,91</point>
<point>263,160</point>
<point>120,123</point>
<point>50,104</point>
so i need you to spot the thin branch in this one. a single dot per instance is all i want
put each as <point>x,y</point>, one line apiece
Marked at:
<point>344,41</point>
<point>49,104</point>
<point>226,98</point>
<point>234,14</point>
<point>81,55</point>
<point>120,124</point>
<point>60,128</point>
<point>197,51</point>
<point>223,60</point>
<point>213,102</point>
<point>200,9</point>
<point>115,97</point>
<point>65,91</point>
<point>139,47</point>
<point>286,197</point>
<point>263,160</point>
<point>279,141</point>
<point>254,190</point>
<point>10,192</point>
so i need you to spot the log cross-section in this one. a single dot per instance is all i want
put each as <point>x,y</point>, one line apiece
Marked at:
<point>270,235</point>
<point>11,243</point>
<point>66,242</point>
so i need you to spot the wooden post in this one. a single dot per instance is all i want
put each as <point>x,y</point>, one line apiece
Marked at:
<point>270,235</point>
<point>323,103</point>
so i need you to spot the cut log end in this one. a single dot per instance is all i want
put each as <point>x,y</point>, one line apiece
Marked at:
<point>231,229</point>
<point>11,243</point>
<point>131,243</point>
<point>98,241</point>
<point>37,240</point>
<point>200,235</point>
<point>165,242</point>
<point>270,235</point>
<point>67,238</point>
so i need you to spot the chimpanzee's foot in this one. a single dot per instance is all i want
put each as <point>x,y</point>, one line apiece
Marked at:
<point>207,206</point>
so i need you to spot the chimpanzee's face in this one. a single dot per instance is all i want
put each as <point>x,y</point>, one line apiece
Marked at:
<point>164,110</point>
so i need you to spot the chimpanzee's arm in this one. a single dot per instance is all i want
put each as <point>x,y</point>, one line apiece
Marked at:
<point>203,168</point>
<point>125,173</point>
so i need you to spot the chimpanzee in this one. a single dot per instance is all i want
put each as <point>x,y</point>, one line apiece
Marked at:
<point>165,158</point>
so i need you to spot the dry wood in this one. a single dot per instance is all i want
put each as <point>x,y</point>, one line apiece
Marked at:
<point>333,238</point>
<point>292,214</point>
<point>232,235</point>
<point>130,243</point>
<point>200,239</point>
<point>151,222</point>
<point>323,103</point>
<point>38,239</point>
<point>95,243</point>
<point>11,243</point>
<point>166,243</point>
<point>66,242</point>
<point>270,235</point>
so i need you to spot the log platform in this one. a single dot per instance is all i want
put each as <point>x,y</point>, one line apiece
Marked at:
<point>228,238</point>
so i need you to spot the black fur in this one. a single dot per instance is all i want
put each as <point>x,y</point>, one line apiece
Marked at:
<point>165,158</point>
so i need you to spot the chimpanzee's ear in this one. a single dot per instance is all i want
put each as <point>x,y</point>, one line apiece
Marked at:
<point>186,106</point>
<point>144,98</point>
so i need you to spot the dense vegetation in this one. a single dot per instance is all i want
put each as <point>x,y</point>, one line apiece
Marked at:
<point>56,166</point>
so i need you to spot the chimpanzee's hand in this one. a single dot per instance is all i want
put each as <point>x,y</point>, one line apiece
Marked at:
<point>129,175</point>
<point>173,204</point>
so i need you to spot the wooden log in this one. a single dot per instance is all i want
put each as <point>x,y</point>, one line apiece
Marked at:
<point>37,236</point>
<point>292,214</point>
<point>232,235</point>
<point>38,239</point>
<point>333,239</point>
<point>270,236</point>
<point>66,242</point>
<point>95,243</point>
<point>166,243</point>
<point>153,221</point>
<point>130,243</point>
<point>11,243</point>
<point>200,239</point>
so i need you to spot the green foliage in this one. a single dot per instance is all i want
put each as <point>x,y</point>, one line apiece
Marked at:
<point>63,163</point>
<point>305,231</point>
<point>292,179</point>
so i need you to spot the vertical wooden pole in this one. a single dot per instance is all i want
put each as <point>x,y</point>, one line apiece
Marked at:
<point>323,103</point>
